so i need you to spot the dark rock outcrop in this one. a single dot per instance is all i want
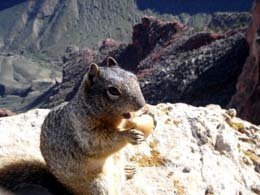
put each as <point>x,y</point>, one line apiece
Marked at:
<point>247,98</point>
<point>199,76</point>
<point>173,63</point>
<point>151,33</point>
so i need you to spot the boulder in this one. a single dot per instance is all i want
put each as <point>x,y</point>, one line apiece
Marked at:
<point>192,150</point>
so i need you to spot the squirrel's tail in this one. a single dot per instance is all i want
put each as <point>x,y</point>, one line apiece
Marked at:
<point>30,177</point>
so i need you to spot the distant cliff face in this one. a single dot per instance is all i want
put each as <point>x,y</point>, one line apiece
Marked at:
<point>49,26</point>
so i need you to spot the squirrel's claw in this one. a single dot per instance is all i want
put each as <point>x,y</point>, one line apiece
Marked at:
<point>130,171</point>
<point>135,137</point>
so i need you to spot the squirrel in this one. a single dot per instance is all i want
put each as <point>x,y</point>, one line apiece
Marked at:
<point>80,140</point>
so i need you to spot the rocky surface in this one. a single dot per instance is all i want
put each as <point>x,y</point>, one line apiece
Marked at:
<point>174,64</point>
<point>247,97</point>
<point>193,150</point>
<point>20,136</point>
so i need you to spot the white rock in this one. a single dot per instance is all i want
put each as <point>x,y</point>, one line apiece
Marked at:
<point>219,152</point>
<point>20,136</point>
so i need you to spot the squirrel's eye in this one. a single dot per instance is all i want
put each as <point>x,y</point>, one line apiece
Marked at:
<point>113,92</point>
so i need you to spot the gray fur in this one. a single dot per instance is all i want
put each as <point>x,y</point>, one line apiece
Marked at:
<point>80,141</point>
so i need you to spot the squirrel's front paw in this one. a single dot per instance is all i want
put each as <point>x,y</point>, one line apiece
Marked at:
<point>135,137</point>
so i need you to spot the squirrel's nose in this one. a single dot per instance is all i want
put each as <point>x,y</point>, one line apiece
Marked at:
<point>140,102</point>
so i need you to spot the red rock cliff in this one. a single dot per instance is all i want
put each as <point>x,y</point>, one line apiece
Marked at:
<point>247,98</point>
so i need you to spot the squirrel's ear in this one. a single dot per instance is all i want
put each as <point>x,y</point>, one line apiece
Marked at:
<point>93,72</point>
<point>111,62</point>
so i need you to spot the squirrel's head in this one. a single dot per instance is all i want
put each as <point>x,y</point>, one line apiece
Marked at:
<point>113,90</point>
